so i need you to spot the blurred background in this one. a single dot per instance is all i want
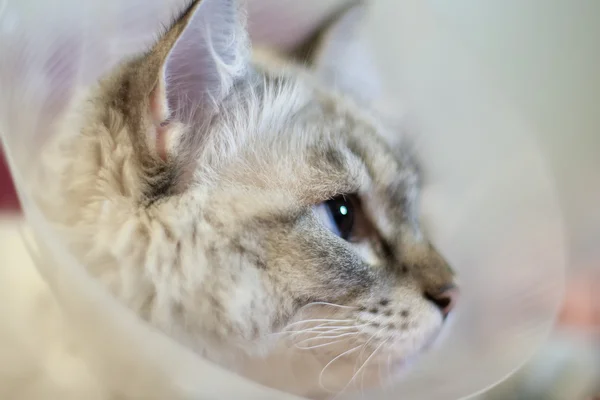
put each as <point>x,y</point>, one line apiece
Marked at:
<point>545,55</point>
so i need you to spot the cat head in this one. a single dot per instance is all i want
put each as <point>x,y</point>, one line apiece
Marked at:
<point>238,203</point>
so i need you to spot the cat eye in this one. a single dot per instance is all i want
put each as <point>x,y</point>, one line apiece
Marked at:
<point>339,215</point>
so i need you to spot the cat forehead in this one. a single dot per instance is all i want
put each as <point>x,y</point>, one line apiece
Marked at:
<point>322,143</point>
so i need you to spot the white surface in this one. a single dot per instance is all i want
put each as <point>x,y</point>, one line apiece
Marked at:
<point>35,361</point>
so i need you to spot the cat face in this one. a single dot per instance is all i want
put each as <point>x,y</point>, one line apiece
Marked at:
<point>242,204</point>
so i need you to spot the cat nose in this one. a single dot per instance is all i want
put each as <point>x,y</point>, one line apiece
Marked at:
<point>444,298</point>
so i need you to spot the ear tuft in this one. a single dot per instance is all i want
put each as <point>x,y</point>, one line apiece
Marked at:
<point>191,69</point>
<point>174,90</point>
<point>200,57</point>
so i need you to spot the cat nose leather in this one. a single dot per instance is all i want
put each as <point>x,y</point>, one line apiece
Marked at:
<point>444,298</point>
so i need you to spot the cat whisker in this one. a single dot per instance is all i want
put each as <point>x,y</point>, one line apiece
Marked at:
<point>338,330</point>
<point>327,337</point>
<point>359,357</point>
<point>367,344</point>
<point>318,328</point>
<point>363,366</point>
<point>324,303</point>
<point>333,328</point>
<point>323,331</point>
<point>319,320</point>
<point>328,331</point>
<point>320,345</point>
<point>326,326</point>
<point>347,352</point>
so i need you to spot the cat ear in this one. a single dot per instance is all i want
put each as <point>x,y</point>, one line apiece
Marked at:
<point>200,57</point>
<point>342,57</point>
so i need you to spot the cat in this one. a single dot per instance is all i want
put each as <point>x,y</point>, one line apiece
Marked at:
<point>249,203</point>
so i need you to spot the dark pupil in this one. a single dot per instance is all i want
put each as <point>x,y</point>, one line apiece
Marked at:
<point>342,213</point>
